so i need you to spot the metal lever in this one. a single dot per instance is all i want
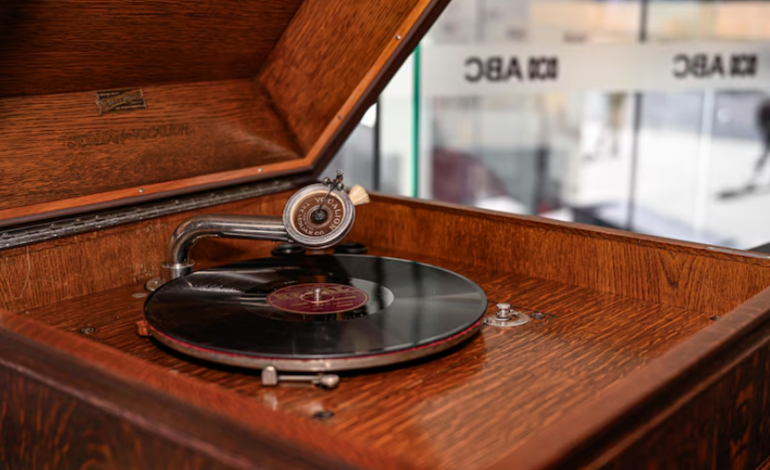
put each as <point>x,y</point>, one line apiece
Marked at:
<point>270,378</point>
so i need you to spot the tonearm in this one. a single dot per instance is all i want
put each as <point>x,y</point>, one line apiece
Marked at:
<point>317,216</point>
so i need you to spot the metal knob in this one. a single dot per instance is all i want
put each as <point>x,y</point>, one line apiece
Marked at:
<point>270,378</point>
<point>506,316</point>
<point>503,311</point>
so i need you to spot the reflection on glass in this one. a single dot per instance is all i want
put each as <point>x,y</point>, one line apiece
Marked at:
<point>550,153</point>
<point>691,164</point>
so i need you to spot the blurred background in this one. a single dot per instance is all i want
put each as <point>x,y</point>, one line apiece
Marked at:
<point>605,140</point>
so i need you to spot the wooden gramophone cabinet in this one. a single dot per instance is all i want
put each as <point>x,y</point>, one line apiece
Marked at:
<point>120,119</point>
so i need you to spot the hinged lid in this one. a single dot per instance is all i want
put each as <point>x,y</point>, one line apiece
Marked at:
<point>111,102</point>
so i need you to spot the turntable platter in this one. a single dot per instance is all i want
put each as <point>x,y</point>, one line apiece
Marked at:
<point>316,313</point>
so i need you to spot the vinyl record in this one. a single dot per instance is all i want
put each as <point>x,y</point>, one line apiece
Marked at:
<point>318,313</point>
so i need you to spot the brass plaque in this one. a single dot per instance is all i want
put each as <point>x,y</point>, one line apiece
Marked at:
<point>119,100</point>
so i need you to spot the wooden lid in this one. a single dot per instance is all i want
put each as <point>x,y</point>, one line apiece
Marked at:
<point>111,102</point>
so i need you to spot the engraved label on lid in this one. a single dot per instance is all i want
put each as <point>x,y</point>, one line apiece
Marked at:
<point>122,136</point>
<point>119,100</point>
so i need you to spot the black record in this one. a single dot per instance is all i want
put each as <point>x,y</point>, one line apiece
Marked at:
<point>316,312</point>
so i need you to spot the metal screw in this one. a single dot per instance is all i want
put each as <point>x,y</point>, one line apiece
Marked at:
<point>323,415</point>
<point>538,315</point>
<point>259,170</point>
<point>153,284</point>
<point>270,378</point>
<point>715,318</point>
<point>88,330</point>
<point>339,116</point>
<point>141,190</point>
<point>398,37</point>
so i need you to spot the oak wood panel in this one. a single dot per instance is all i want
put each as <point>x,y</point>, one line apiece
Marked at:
<point>463,410</point>
<point>57,46</point>
<point>406,39</point>
<point>725,425</point>
<point>325,53</point>
<point>83,264</point>
<point>629,414</point>
<point>646,268</point>
<point>56,148</point>
<point>65,433</point>
<point>603,259</point>
<point>353,84</point>
<point>60,412</point>
<point>646,357</point>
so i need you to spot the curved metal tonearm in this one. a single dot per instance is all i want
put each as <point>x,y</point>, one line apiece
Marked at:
<point>328,232</point>
<point>250,227</point>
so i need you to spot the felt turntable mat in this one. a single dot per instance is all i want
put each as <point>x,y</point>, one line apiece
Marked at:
<point>309,307</point>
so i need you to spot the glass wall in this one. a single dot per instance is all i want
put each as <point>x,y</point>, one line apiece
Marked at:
<point>651,116</point>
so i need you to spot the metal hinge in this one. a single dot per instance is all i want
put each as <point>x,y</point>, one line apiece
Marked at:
<point>65,227</point>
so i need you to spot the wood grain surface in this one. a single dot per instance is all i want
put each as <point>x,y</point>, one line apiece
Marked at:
<point>697,384</point>
<point>610,350</point>
<point>463,410</point>
<point>404,40</point>
<point>208,120</point>
<point>63,413</point>
<point>722,423</point>
<point>58,147</point>
<point>325,53</point>
<point>85,264</point>
<point>672,273</point>
<point>61,46</point>
<point>648,268</point>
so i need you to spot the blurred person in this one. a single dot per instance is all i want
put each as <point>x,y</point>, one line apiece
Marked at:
<point>608,142</point>
<point>763,123</point>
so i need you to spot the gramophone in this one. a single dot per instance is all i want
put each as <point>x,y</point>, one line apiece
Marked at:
<point>150,151</point>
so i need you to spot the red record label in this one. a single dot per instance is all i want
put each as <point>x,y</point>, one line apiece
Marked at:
<point>319,298</point>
